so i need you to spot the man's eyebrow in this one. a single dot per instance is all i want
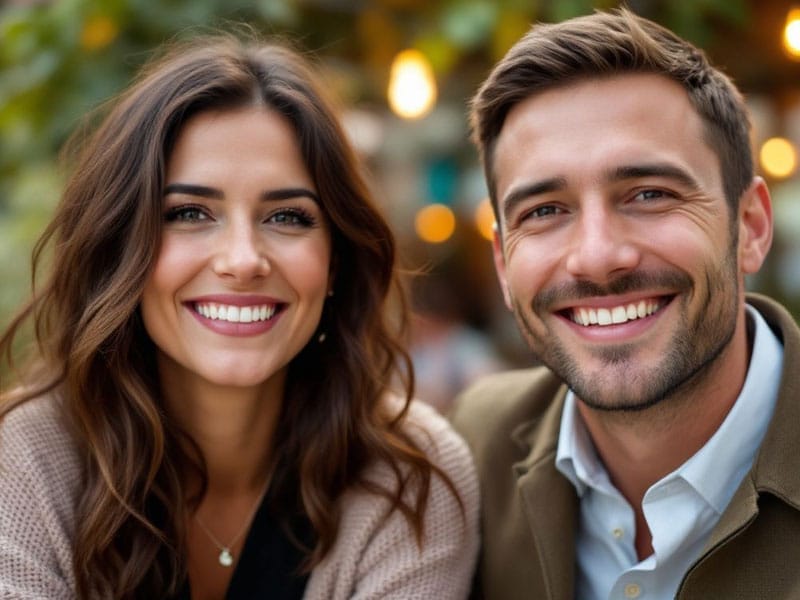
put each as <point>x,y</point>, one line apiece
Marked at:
<point>517,195</point>
<point>203,191</point>
<point>655,170</point>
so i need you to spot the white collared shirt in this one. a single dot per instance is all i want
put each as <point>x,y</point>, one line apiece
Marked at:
<point>682,508</point>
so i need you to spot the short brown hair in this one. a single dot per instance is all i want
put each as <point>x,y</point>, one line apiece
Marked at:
<point>606,44</point>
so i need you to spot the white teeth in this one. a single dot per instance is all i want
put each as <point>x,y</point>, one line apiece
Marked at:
<point>235,314</point>
<point>616,315</point>
<point>619,314</point>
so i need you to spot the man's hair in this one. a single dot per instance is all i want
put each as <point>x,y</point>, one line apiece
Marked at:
<point>606,44</point>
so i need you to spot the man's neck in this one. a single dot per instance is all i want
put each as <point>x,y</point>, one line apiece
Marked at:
<point>638,448</point>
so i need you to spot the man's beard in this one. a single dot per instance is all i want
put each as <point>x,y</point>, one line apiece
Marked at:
<point>691,354</point>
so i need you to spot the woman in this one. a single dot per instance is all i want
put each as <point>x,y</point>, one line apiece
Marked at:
<point>206,413</point>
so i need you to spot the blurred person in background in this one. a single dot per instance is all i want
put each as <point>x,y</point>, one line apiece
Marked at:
<point>447,351</point>
<point>657,453</point>
<point>206,411</point>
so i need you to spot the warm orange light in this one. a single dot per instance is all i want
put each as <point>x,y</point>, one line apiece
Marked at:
<point>791,33</point>
<point>435,223</point>
<point>412,86</point>
<point>484,219</point>
<point>778,157</point>
<point>98,32</point>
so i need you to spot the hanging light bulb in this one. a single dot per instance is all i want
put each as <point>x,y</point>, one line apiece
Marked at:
<point>791,33</point>
<point>412,86</point>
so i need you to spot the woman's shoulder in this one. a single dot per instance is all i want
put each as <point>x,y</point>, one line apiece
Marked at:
<point>35,433</point>
<point>376,553</point>
<point>39,483</point>
<point>435,436</point>
<point>37,450</point>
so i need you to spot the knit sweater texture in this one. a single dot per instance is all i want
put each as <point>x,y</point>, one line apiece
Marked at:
<point>373,556</point>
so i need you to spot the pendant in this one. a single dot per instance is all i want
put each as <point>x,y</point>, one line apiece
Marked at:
<point>225,558</point>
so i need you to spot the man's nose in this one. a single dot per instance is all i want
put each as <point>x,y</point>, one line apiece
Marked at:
<point>602,245</point>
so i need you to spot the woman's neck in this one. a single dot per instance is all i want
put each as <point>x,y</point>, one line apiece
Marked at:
<point>232,427</point>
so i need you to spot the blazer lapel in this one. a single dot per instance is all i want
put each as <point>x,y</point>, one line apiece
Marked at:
<point>550,504</point>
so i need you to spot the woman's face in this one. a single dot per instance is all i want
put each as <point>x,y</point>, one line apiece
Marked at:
<point>243,269</point>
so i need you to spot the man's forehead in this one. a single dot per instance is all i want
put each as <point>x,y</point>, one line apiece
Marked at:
<point>596,125</point>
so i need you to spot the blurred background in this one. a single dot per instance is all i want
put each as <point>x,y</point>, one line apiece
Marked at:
<point>403,71</point>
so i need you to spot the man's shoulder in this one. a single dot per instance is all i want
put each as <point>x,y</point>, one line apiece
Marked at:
<point>493,407</point>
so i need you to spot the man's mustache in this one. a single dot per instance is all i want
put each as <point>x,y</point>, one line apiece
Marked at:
<point>672,280</point>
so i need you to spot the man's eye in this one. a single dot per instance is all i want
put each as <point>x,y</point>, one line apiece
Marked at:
<point>185,214</point>
<point>650,195</point>
<point>543,211</point>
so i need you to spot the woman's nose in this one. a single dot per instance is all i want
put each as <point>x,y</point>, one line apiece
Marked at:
<point>241,254</point>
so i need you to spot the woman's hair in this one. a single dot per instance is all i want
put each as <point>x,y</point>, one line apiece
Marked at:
<point>614,43</point>
<point>94,354</point>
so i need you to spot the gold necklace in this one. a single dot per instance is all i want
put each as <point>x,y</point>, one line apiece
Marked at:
<point>226,557</point>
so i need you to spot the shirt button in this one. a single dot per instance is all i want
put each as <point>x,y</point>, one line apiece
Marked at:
<point>617,532</point>
<point>632,590</point>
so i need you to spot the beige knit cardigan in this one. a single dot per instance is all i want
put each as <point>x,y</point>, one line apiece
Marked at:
<point>372,557</point>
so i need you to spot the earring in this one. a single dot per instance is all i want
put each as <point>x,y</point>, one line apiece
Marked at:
<point>323,335</point>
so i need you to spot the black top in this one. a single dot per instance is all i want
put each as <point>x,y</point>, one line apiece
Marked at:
<point>269,565</point>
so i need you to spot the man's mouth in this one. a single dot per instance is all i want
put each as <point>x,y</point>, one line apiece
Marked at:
<point>615,315</point>
<point>235,314</point>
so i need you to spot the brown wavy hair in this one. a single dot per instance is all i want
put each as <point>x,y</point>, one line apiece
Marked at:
<point>92,352</point>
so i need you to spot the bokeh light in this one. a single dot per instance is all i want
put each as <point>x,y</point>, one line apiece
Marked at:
<point>412,87</point>
<point>778,157</point>
<point>98,32</point>
<point>435,223</point>
<point>484,219</point>
<point>791,33</point>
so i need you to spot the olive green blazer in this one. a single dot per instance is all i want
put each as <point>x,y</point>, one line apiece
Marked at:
<point>529,510</point>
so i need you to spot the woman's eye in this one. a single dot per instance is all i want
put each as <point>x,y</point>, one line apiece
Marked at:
<point>185,214</point>
<point>293,217</point>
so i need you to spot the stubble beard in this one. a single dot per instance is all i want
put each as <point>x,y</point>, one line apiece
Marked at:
<point>689,359</point>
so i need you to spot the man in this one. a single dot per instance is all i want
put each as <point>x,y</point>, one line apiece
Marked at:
<point>657,452</point>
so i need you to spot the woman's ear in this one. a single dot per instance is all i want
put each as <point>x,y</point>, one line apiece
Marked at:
<point>333,269</point>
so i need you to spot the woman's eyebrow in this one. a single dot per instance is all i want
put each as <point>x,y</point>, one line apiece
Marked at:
<point>287,193</point>
<point>194,190</point>
<point>213,193</point>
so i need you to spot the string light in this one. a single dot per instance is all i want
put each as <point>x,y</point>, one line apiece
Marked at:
<point>412,86</point>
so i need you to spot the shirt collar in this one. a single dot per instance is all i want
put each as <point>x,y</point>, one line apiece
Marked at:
<point>716,470</point>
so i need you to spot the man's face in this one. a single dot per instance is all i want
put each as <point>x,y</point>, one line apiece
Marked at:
<point>615,250</point>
